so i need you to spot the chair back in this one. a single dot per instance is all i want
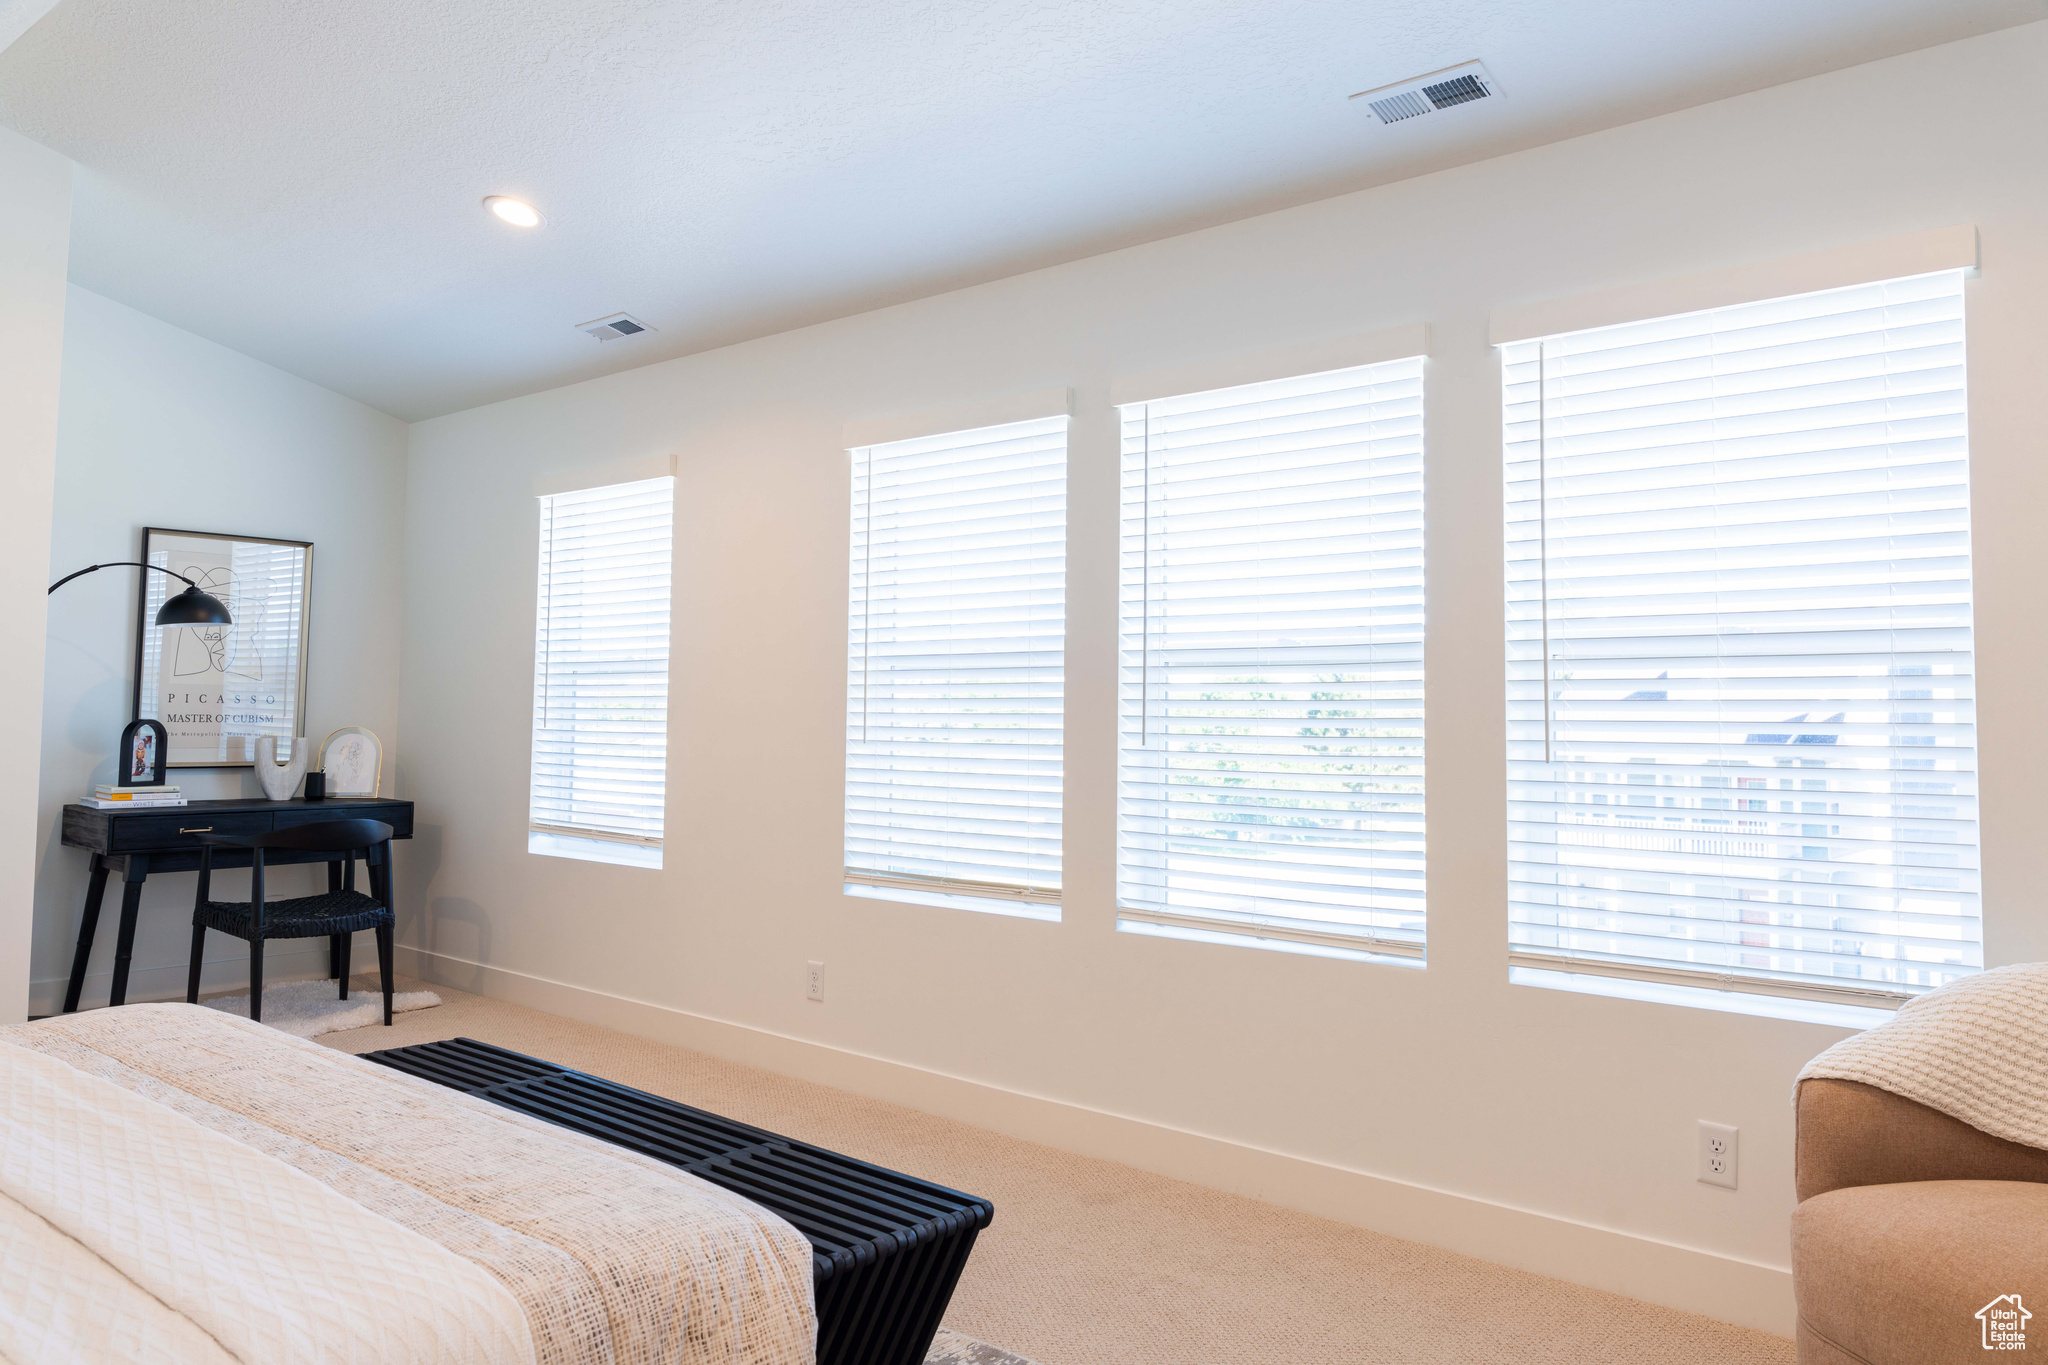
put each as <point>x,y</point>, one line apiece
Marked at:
<point>328,836</point>
<point>369,840</point>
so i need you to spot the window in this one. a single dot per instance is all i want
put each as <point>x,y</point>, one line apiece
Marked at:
<point>956,669</point>
<point>1741,739</point>
<point>1271,696</point>
<point>600,685</point>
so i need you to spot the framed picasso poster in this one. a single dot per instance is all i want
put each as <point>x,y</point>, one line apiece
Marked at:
<point>218,689</point>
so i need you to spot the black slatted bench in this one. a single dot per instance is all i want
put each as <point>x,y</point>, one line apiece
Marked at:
<point>886,1248</point>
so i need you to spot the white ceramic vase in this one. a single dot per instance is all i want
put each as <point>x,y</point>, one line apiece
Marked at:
<point>280,780</point>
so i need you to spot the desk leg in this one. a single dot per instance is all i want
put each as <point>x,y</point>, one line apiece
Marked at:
<point>337,954</point>
<point>124,945</point>
<point>88,925</point>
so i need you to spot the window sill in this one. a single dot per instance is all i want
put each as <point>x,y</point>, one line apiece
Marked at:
<point>593,850</point>
<point>987,905</point>
<point>1229,939</point>
<point>1703,997</point>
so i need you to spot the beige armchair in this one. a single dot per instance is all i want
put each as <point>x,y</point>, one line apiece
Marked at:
<point>1917,1239</point>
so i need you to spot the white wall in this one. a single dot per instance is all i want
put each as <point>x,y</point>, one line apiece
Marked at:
<point>1578,1110</point>
<point>161,428</point>
<point>35,242</point>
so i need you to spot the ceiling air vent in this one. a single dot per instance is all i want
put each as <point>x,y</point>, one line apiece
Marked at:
<point>1437,91</point>
<point>612,328</point>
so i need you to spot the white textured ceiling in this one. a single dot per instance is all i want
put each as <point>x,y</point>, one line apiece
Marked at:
<point>299,179</point>
<point>19,16</point>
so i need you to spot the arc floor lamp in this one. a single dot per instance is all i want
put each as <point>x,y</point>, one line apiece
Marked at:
<point>188,608</point>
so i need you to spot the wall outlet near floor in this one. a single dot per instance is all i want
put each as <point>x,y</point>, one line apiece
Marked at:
<point>814,986</point>
<point>1717,1154</point>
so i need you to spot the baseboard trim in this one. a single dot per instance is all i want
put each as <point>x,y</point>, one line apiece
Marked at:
<point>168,983</point>
<point>1731,1289</point>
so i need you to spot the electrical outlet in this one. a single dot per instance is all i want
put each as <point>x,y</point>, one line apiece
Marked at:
<point>815,986</point>
<point>1717,1154</point>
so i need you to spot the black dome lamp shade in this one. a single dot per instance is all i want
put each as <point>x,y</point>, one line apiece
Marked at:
<point>188,608</point>
<point>193,608</point>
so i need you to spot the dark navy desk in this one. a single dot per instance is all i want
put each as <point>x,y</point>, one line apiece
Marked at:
<point>136,843</point>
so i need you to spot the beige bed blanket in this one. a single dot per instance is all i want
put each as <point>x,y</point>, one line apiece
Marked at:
<point>613,1257</point>
<point>130,1233</point>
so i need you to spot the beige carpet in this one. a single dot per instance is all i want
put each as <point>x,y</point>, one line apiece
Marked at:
<point>1092,1263</point>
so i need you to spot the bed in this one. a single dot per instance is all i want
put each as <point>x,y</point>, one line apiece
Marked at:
<point>183,1186</point>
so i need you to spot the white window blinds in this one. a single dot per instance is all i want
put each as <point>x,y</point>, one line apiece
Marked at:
<point>600,688</point>
<point>1741,740</point>
<point>1271,694</point>
<point>956,665</point>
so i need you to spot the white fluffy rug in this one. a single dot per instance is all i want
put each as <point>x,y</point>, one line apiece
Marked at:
<point>308,1008</point>
<point>957,1348</point>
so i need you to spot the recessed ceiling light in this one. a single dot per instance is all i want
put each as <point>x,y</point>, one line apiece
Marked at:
<point>517,212</point>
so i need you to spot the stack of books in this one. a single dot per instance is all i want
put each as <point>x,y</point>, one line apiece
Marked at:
<point>108,797</point>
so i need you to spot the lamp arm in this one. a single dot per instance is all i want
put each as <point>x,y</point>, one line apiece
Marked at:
<point>118,564</point>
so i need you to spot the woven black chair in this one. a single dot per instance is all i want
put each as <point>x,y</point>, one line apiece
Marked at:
<point>333,914</point>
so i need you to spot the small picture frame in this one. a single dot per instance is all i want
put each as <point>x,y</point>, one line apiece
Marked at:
<point>145,748</point>
<point>352,760</point>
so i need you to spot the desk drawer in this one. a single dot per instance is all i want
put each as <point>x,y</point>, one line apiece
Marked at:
<point>397,814</point>
<point>133,833</point>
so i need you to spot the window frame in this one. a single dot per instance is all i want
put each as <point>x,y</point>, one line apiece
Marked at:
<point>628,841</point>
<point>1857,1001</point>
<point>1024,492</point>
<point>1304,398</point>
